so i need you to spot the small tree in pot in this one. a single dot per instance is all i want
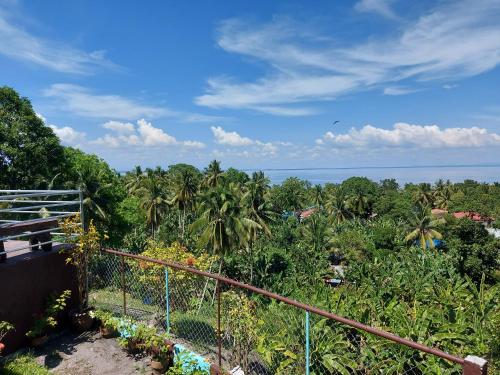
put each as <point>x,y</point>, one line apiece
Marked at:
<point>5,327</point>
<point>161,351</point>
<point>86,244</point>
<point>48,319</point>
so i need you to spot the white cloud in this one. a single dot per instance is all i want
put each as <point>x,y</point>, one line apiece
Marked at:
<point>119,127</point>
<point>19,44</point>
<point>382,7</point>
<point>398,90</point>
<point>449,86</point>
<point>453,40</point>
<point>142,135</point>
<point>153,136</point>
<point>68,135</point>
<point>244,146</point>
<point>229,138</point>
<point>81,101</point>
<point>407,135</point>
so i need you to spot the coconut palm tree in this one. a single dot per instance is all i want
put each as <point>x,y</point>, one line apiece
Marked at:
<point>153,199</point>
<point>221,223</point>
<point>213,174</point>
<point>423,195</point>
<point>185,189</point>
<point>316,232</point>
<point>424,228</point>
<point>133,178</point>
<point>359,204</point>
<point>317,195</point>
<point>90,182</point>
<point>257,208</point>
<point>221,220</point>
<point>337,208</point>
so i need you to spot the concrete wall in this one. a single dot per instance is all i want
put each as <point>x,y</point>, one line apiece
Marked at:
<point>26,280</point>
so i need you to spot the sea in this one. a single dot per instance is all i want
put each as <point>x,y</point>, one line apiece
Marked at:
<point>403,175</point>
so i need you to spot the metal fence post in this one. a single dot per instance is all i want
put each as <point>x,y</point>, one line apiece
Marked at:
<point>122,268</point>
<point>167,300</point>
<point>219,338</point>
<point>307,343</point>
<point>474,366</point>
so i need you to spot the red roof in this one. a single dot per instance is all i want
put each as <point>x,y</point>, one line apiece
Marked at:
<point>470,215</point>
<point>306,213</point>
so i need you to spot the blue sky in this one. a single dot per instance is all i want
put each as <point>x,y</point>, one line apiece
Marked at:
<point>259,84</point>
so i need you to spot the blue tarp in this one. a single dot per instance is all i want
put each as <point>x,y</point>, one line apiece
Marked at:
<point>191,361</point>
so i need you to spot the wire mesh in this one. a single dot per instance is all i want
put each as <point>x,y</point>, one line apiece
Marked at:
<point>259,335</point>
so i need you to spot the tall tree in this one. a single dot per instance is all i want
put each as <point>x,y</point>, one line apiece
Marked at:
<point>185,189</point>
<point>423,195</point>
<point>259,209</point>
<point>213,174</point>
<point>337,207</point>
<point>221,221</point>
<point>133,178</point>
<point>423,228</point>
<point>30,152</point>
<point>153,198</point>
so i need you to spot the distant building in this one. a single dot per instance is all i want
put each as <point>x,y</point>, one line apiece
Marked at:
<point>473,216</point>
<point>307,212</point>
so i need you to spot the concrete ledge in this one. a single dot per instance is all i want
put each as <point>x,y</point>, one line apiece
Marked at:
<point>26,280</point>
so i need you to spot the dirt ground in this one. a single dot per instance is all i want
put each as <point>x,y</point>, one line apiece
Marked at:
<point>89,354</point>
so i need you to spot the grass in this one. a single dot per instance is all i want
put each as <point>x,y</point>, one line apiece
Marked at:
<point>103,298</point>
<point>22,365</point>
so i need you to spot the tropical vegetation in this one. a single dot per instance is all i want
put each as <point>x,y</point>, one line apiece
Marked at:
<point>429,277</point>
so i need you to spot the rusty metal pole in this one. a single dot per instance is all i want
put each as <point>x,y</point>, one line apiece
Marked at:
<point>474,366</point>
<point>124,286</point>
<point>219,337</point>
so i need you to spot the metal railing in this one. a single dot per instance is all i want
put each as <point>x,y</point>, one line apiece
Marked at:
<point>27,214</point>
<point>266,334</point>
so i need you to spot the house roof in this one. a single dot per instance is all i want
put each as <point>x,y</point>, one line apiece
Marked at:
<point>470,215</point>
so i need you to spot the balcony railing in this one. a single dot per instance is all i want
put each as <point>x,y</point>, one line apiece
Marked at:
<point>30,218</point>
<point>245,329</point>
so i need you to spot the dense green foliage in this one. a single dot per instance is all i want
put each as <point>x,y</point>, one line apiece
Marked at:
<point>431,279</point>
<point>22,365</point>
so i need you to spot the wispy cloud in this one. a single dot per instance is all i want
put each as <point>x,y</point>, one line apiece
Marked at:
<point>453,40</point>
<point>398,90</point>
<point>382,7</point>
<point>408,135</point>
<point>83,102</point>
<point>20,44</point>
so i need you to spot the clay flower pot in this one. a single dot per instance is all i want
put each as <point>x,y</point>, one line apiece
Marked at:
<point>158,367</point>
<point>107,332</point>
<point>81,321</point>
<point>36,342</point>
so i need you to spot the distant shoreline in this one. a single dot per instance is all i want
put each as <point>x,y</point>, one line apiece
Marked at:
<point>375,167</point>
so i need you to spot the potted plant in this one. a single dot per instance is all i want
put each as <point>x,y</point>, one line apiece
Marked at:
<point>161,351</point>
<point>108,323</point>
<point>86,243</point>
<point>5,327</point>
<point>38,334</point>
<point>133,335</point>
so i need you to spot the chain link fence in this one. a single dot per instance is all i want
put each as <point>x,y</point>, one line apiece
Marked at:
<point>259,334</point>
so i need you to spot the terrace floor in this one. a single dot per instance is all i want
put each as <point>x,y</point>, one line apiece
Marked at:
<point>15,256</point>
<point>89,354</point>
